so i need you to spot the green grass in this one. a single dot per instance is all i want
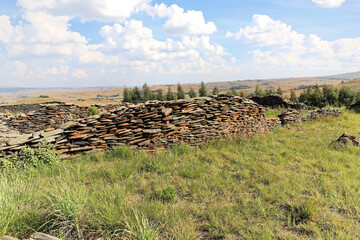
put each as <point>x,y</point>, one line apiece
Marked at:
<point>289,184</point>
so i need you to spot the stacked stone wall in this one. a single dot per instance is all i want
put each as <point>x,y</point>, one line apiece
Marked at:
<point>277,101</point>
<point>148,126</point>
<point>154,125</point>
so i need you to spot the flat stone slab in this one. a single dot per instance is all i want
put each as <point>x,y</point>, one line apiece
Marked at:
<point>42,236</point>
<point>8,238</point>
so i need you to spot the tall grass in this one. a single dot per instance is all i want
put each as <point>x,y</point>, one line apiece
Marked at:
<point>289,184</point>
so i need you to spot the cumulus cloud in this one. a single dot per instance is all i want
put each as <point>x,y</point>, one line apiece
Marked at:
<point>102,10</point>
<point>264,31</point>
<point>181,23</point>
<point>134,42</point>
<point>42,46</point>
<point>329,3</point>
<point>6,29</point>
<point>278,45</point>
<point>79,73</point>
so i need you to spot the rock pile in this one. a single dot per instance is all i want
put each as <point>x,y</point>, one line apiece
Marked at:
<point>277,101</point>
<point>292,116</point>
<point>47,116</point>
<point>155,125</point>
<point>348,140</point>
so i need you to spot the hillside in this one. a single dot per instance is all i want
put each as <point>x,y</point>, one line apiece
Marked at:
<point>345,76</point>
<point>289,184</point>
<point>353,84</point>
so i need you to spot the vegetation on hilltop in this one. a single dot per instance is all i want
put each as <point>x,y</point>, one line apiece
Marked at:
<point>292,183</point>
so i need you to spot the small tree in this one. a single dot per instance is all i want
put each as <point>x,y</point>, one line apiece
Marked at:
<point>146,93</point>
<point>258,91</point>
<point>215,91</point>
<point>180,92</point>
<point>279,91</point>
<point>160,95</point>
<point>233,91</point>
<point>170,96</point>
<point>192,93</point>
<point>127,95</point>
<point>346,96</point>
<point>330,95</point>
<point>242,93</point>
<point>202,90</point>
<point>293,96</point>
<point>269,91</point>
<point>136,95</point>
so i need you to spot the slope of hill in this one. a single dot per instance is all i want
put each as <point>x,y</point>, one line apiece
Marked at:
<point>345,76</point>
<point>290,184</point>
<point>353,84</point>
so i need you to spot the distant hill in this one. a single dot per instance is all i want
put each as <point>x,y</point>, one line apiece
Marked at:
<point>14,90</point>
<point>345,76</point>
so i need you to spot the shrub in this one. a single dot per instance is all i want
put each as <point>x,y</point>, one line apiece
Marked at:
<point>43,96</point>
<point>92,111</point>
<point>167,194</point>
<point>28,157</point>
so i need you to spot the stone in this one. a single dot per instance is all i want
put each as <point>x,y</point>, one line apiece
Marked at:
<point>18,140</point>
<point>43,236</point>
<point>8,238</point>
<point>52,133</point>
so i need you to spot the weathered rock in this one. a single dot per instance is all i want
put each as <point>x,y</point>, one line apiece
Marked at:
<point>8,238</point>
<point>43,236</point>
<point>348,140</point>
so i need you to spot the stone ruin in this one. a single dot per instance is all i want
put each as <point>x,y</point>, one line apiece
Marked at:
<point>149,126</point>
<point>277,101</point>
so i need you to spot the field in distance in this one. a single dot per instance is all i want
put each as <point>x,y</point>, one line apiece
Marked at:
<point>89,96</point>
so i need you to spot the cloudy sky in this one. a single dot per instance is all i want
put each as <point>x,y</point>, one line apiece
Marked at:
<point>81,43</point>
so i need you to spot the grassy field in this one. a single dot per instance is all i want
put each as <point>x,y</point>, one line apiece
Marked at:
<point>292,183</point>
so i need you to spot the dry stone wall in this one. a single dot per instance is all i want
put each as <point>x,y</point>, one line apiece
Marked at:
<point>154,125</point>
<point>148,126</point>
<point>277,101</point>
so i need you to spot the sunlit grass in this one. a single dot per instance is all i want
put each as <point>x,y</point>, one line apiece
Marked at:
<point>289,184</point>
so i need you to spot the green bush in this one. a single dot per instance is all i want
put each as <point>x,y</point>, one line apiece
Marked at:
<point>92,111</point>
<point>28,157</point>
<point>43,96</point>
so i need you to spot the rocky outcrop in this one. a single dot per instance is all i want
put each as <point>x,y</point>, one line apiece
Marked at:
<point>277,101</point>
<point>348,140</point>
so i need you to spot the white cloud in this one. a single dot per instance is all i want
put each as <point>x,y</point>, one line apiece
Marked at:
<point>277,45</point>
<point>79,73</point>
<point>42,35</point>
<point>102,10</point>
<point>329,3</point>
<point>43,48</point>
<point>6,29</point>
<point>134,43</point>
<point>181,23</point>
<point>264,31</point>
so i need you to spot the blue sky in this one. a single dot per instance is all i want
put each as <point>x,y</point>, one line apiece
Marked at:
<point>85,43</point>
